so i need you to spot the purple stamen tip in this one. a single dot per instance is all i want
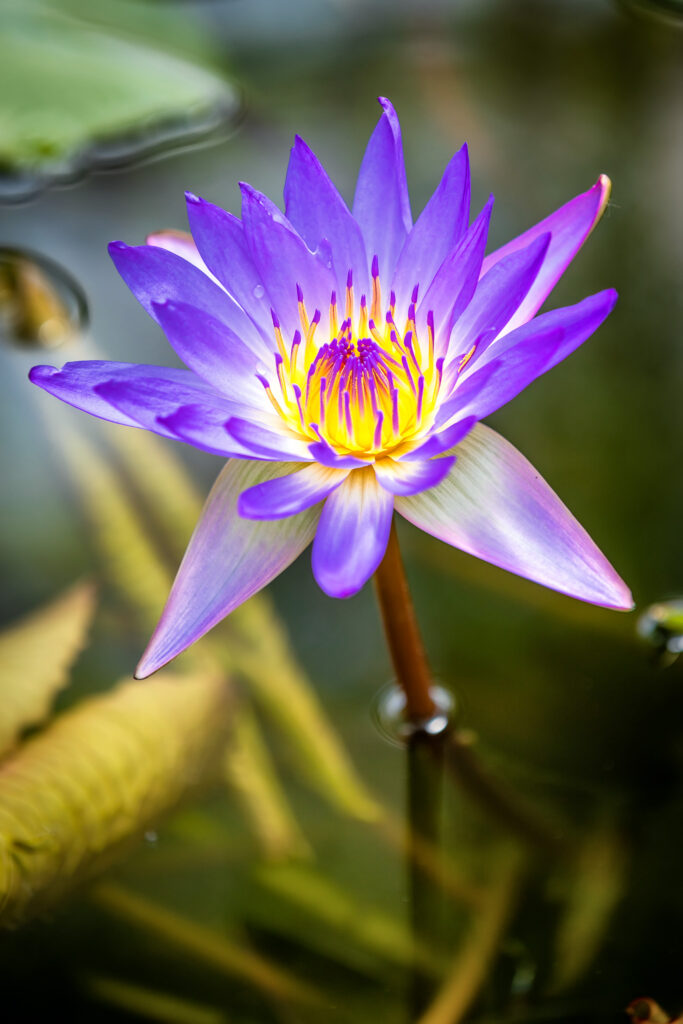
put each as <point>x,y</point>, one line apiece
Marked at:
<point>299,293</point>
<point>430,319</point>
<point>276,322</point>
<point>296,340</point>
<point>363,302</point>
<point>333,299</point>
<point>392,299</point>
<point>375,266</point>
<point>349,279</point>
<point>263,380</point>
<point>413,297</point>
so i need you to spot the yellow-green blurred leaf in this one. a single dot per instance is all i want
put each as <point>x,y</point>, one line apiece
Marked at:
<point>251,774</point>
<point>150,1004</point>
<point>225,955</point>
<point>99,776</point>
<point>35,657</point>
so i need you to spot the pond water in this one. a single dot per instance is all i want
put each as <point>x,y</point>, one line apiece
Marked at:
<point>560,802</point>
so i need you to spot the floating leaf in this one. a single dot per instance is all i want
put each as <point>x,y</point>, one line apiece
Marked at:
<point>98,776</point>
<point>36,655</point>
<point>66,84</point>
<point>251,774</point>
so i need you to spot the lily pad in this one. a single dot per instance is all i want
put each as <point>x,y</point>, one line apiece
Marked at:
<point>73,94</point>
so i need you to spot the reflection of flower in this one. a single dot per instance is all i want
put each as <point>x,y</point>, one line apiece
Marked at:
<point>342,361</point>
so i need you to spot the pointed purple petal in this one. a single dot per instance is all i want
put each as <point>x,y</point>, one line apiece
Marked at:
<point>570,226</point>
<point>317,211</point>
<point>381,204</point>
<point>412,477</point>
<point>227,560</point>
<point>513,362</point>
<point>352,534</point>
<point>499,293</point>
<point>455,282</point>
<point>324,453</point>
<point>438,231</point>
<point>156,275</point>
<point>223,246</point>
<point>284,261</point>
<point>78,384</point>
<point>214,352</point>
<point>290,494</point>
<point>280,444</point>
<point>494,505</point>
<point>441,442</point>
<point>204,427</point>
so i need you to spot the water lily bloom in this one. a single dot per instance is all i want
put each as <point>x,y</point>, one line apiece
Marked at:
<point>342,360</point>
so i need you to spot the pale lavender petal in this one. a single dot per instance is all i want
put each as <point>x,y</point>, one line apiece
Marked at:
<point>570,226</point>
<point>284,261</point>
<point>455,282</point>
<point>381,204</point>
<point>437,232</point>
<point>77,383</point>
<point>317,211</point>
<point>228,559</point>
<point>204,427</point>
<point>214,352</point>
<point>352,534</point>
<point>498,295</point>
<point>494,505</point>
<point>156,275</point>
<point>414,476</point>
<point>441,442</point>
<point>280,444</point>
<point>223,246</point>
<point>324,453</point>
<point>290,494</point>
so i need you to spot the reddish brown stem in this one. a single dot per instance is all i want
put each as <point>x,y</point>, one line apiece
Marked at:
<point>403,634</point>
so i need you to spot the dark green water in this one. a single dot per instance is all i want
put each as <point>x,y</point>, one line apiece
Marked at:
<point>570,710</point>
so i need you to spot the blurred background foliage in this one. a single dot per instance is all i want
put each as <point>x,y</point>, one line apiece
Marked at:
<point>225,841</point>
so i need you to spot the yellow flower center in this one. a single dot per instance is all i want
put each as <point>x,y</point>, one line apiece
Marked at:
<point>368,391</point>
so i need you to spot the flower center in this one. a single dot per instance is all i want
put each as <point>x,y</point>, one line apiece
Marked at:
<point>369,389</point>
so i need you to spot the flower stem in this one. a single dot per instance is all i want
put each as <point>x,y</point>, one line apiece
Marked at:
<point>403,633</point>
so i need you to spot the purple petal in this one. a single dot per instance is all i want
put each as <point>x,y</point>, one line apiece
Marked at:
<point>324,453</point>
<point>352,534</point>
<point>280,444</point>
<point>77,383</point>
<point>455,282</point>
<point>182,244</point>
<point>513,362</point>
<point>381,204</point>
<point>223,246</point>
<point>499,293</point>
<point>152,402</point>
<point>204,427</point>
<point>214,352</point>
<point>441,442</point>
<point>227,560</point>
<point>437,232</point>
<point>284,261</point>
<point>414,476</point>
<point>570,226</point>
<point>290,494</point>
<point>494,505</point>
<point>156,275</point>
<point>317,211</point>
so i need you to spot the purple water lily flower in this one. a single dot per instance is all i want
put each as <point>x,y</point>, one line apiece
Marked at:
<point>342,361</point>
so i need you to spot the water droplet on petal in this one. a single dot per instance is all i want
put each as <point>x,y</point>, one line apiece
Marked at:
<point>41,305</point>
<point>259,291</point>
<point>662,626</point>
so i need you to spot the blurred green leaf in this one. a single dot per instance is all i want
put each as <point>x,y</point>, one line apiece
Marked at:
<point>251,774</point>
<point>65,83</point>
<point>152,1005</point>
<point>99,776</point>
<point>36,655</point>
